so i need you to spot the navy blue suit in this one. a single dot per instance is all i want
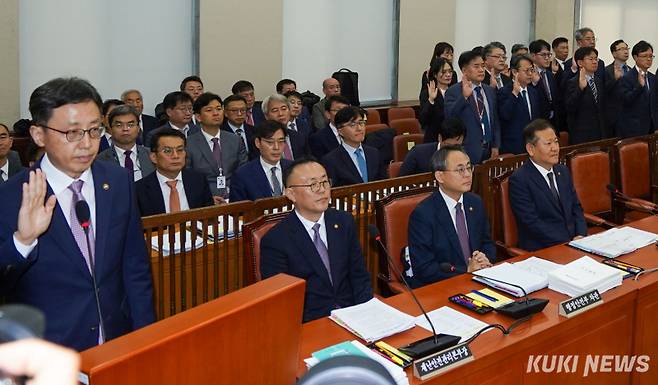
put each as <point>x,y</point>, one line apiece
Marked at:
<point>586,115</point>
<point>541,221</point>
<point>257,113</point>
<point>474,140</point>
<point>249,181</point>
<point>252,151</point>
<point>299,144</point>
<point>288,248</point>
<point>322,142</point>
<point>553,107</point>
<point>433,238</point>
<point>303,127</point>
<point>417,160</point>
<point>343,172</point>
<point>149,193</point>
<point>55,278</point>
<point>149,123</point>
<point>514,116</point>
<point>104,145</point>
<point>636,116</point>
<point>567,74</point>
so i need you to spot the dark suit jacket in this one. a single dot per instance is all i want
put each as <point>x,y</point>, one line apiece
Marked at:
<point>149,123</point>
<point>193,128</point>
<point>55,278</point>
<point>288,248</point>
<point>417,160</point>
<point>257,113</point>
<point>104,145</point>
<point>303,126</point>
<point>457,106</point>
<point>585,115</point>
<point>145,164</point>
<point>568,74</point>
<point>322,142</point>
<point>149,192</point>
<point>249,181</point>
<point>431,115</point>
<point>555,104</point>
<point>514,116</point>
<point>614,100</point>
<point>299,144</point>
<point>487,79</point>
<point>433,238</point>
<point>15,165</point>
<point>249,133</point>
<point>636,117</point>
<point>343,172</point>
<point>541,222</point>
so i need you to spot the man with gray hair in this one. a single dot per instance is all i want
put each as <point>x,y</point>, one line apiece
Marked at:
<point>133,97</point>
<point>277,107</point>
<point>330,87</point>
<point>584,38</point>
<point>494,56</point>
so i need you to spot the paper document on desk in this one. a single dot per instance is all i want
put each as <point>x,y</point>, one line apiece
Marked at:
<point>372,320</point>
<point>508,272</point>
<point>538,266</point>
<point>584,275</point>
<point>166,246</point>
<point>447,320</point>
<point>615,242</point>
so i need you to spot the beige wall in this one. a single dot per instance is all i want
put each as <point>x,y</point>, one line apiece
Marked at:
<point>9,75</point>
<point>240,39</point>
<point>554,18</point>
<point>422,25</point>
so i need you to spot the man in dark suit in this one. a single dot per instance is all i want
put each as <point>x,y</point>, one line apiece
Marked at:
<point>178,110</point>
<point>327,138</point>
<point>10,162</point>
<point>352,162</point>
<point>43,253</point>
<point>547,84</point>
<point>235,109</point>
<point>636,85</point>
<point>584,38</point>
<point>298,121</point>
<point>317,244</point>
<point>213,152</point>
<point>542,194</point>
<point>518,104</point>
<point>285,86</point>
<point>171,187</point>
<point>585,100</point>
<point>277,107</point>
<point>125,152</point>
<point>613,74</point>
<point>494,62</point>
<point>147,123</point>
<point>417,160</point>
<point>451,224</point>
<point>475,104</point>
<point>254,114</point>
<point>330,87</point>
<point>262,177</point>
<point>106,108</point>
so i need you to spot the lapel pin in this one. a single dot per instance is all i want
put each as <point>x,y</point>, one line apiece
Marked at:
<point>558,173</point>
<point>336,226</point>
<point>470,208</point>
<point>106,186</point>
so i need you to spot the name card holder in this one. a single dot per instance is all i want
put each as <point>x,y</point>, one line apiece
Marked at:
<point>437,363</point>
<point>577,305</point>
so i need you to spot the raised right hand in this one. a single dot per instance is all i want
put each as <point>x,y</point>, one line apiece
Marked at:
<point>34,215</point>
<point>467,88</point>
<point>432,91</point>
<point>582,80</point>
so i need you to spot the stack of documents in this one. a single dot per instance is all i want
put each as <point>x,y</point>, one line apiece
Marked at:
<point>230,231</point>
<point>166,246</point>
<point>372,320</point>
<point>511,273</point>
<point>357,348</point>
<point>447,320</point>
<point>584,275</point>
<point>615,242</point>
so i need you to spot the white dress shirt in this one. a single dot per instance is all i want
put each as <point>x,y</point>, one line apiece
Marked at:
<point>352,153</point>
<point>244,134</point>
<point>121,155</point>
<point>209,139</point>
<point>335,131</point>
<point>308,225</point>
<point>166,191</point>
<point>184,130</point>
<point>267,168</point>
<point>5,171</point>
<point>451,203</point>
<point>544,173</point>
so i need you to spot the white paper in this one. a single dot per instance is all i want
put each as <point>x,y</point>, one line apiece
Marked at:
<point>538,266</point>
<point>220,228</point>
<point>506,272</point>
<point>166,246</point>
<point>583,275</point>
<point>447,320</point>
<point>616,241</point>
<point>372,320</point>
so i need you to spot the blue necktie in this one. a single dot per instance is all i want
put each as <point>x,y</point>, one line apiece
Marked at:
<point>525,102</point>
<point>361,161</point>
<point>484,116</point>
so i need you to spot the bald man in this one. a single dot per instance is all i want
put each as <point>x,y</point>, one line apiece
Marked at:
<point>330,87</point>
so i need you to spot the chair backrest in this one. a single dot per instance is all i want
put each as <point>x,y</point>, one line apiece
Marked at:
<point>374,127</point>
<point>252,233</point>
<point>504,210</point>
<point>393,214</point>
<point>405,126</point>
<point>590,171</point>
<point>403,143</point>
<point>373,116</point>
<point>563,139</point>
<point>394,169</point>
<point>634,168</point>
<point>400,113</point>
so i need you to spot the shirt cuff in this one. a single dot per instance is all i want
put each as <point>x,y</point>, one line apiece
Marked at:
<point>24,250</point>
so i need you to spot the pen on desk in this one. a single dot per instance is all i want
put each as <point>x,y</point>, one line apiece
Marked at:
<point>384,353</point>
<point>393,350</point>
<point>490,298</point>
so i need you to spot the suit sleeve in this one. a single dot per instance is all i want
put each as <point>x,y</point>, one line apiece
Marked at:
<point>573,96</point>
<point>495,122</point>
<point>506,104</point>
<point>359,276</point>
<point>630,90</point>
<point>577,210</point>
<point>315,145</point>
<point>273,260</point>
<point>328,164</point>
<point>238,191</point>
<point>455,102</point>
<point>421,249</point>
<point>318,117</point>
<point>206,194</point>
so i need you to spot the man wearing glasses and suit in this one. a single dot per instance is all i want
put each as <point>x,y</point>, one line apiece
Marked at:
<point>316,243</point>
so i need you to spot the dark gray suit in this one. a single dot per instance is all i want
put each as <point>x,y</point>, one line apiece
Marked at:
<point>200,159</point>
<point>145,164</point>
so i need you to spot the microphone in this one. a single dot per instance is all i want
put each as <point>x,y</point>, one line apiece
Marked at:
<point>425,346</point>
<point>83,214</point>
<point>634,203</point>
<point>517,309</point>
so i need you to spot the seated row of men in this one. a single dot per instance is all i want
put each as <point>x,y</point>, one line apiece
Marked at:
<point>320,244</point>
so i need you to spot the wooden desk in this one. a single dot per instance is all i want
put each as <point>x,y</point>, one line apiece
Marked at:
<point>621,326</point>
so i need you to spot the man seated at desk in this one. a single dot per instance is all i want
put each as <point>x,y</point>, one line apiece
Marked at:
<point>542,194</point>
<point>450,225</point>
<point>316,243</point>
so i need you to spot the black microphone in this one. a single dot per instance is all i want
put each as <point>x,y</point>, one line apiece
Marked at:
<point>83,214</point>
<point>425,346</point>
<point>517,309</point>
<point>636,204</point>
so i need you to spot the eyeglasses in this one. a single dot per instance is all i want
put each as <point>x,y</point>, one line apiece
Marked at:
<point>527,70</point>
<point>361,123</point>
<point>184,109</point>
<point>545,54</point>
<point>271,142</point>
<point>315,186</point>
<point>463,170</point>
<point>647,56</point>
<point>130,125</point>
<point>169,151</point>
<point>76,135</point>
<point>591,38</point>
<point>499,57</point>
<point>237,110</point>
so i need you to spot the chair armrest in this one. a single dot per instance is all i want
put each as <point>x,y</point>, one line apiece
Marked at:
<point>396,287</point>
<point>511,250</point>
<point>598,221</point>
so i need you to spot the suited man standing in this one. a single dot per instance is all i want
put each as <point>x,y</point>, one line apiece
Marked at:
<point>636,86</point>
<point>262,177</point>
<point>544,81</point>
<point>585,100</point>
<point>326,139</point>
<point>451,224</point>
<point>330,87</point>
<point>613,74</point>
<point>519,104</point>
<point>43,252</point>
<point>542,195</point>
<point>352,162</point>
<point>147,123</point>
<point>235,109</point>
<point>316,243</point>
<point>494,62</point>
<point>584,38</point>
<point>124,128</point>
<point>10,162</point>
<point>475,104</point>
<point>172,187</point>
<point>277,107</point>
